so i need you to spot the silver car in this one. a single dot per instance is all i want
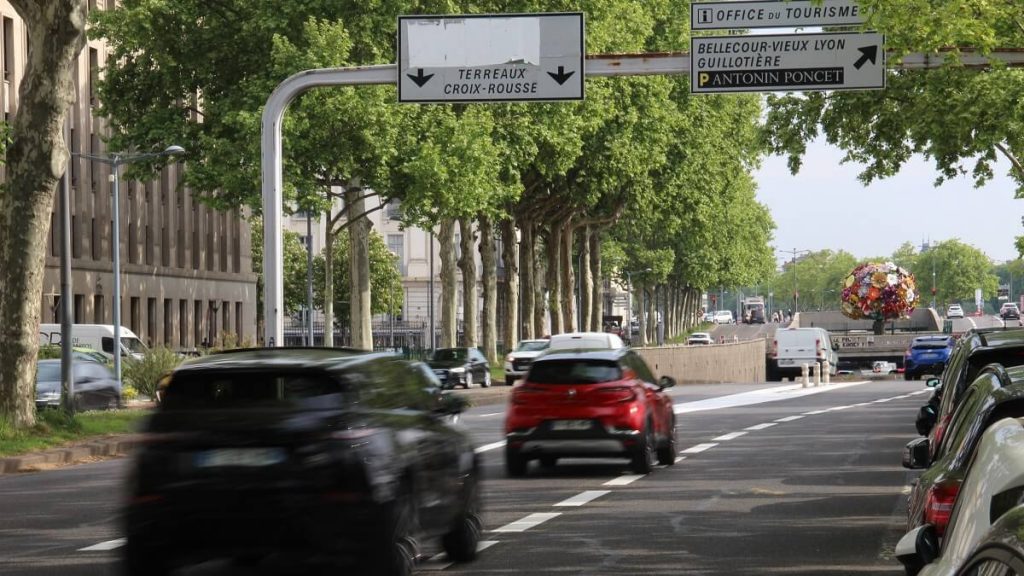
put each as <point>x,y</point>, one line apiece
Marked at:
<point>95,386</point>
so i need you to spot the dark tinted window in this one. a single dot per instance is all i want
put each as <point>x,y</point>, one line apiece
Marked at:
<point>218,391</point>
<point>582,371</point>
<point>1008,357</point>
<point>394,385</point>
<point>642,371</point>
<point>449,354</point>
<point>532,346</point>
<point>930,344</point>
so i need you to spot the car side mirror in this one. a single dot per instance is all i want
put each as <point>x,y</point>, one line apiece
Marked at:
<point>918,548</point>
<point>666,382</point>
<point>915,454</point>
<point>932,382</point>
<point>449,404</point>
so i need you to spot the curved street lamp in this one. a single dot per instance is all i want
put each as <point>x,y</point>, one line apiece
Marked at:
<point>115,161</point>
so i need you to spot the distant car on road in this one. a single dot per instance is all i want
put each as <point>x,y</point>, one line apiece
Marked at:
<point>1009,311</point>
<point>927,355</point>
<point>954,311</point>
<point>709,317</point>
<point>327,454</point>
<point>460,367</point>
<point>95,386</point>
<point>724,317</point>
<point>585,340</point>
<point>699,338</point>
<point>518,361</point>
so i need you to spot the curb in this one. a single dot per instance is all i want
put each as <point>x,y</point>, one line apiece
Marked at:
<point>93,450</point>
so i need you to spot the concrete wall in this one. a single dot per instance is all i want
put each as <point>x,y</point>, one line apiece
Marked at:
<point>733,362</point>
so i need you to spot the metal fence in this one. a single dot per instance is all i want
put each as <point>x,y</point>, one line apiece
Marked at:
<point>410,339</point>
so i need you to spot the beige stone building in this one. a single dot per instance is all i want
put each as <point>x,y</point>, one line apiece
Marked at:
<point>186,270</point>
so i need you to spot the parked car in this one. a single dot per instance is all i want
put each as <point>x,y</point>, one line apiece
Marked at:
<point>95,386</point>
<point>585,341</point>
<point>593,404</point>
<point>927,355</point>
<point>518,361</point>
<point>995,394</point>
<point>460,367</point>
<point>1009,311</point>
<point>883,367</point>
<point>794,347</point>
<point>699,338</point>
<point>991,488</point>
<point>724,317</point>
<point>300,453</point>
<point>709,317</point>
<point>954,311</point>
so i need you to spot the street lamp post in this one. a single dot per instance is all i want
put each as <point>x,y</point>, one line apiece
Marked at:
<point>115,161</point>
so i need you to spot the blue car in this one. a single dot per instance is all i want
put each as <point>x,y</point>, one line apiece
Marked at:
<point>927,355</point>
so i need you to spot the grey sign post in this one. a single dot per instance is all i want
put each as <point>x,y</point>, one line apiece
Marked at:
<point>490,58</point>
<point>774,14</point>
<point>783,62</point>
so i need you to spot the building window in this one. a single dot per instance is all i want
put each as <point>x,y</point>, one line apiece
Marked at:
<point>94,76</point>
<point>133,241</point>
<point>99,315</point>
<point>150,320</point>
<point>197,322</point>
<point>168,322</point>
<point>183,323</point>
<point>8,50</point>
<point>394,209</point>
<point>396,244</point>
<point>79,311</point>
<point>238,322</point>
<point>135,314</point>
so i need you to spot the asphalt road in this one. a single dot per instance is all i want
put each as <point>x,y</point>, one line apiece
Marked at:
<point>801,484</point>
<point>986,321</point>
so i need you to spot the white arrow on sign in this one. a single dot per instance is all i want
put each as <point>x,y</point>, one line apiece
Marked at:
<point>783,62</point>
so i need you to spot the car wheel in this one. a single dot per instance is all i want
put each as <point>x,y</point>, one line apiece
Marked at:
<point>396,550</point>
<point>469,380</point>
<point>548,462</point>
<point>137,560</point>
<point>113,403</point>
<point>643,456</point>
<point>509,380</point>
<point>487,380</point>
<point>667,451</point>
<point>461,542</point>
<point>515,463</point>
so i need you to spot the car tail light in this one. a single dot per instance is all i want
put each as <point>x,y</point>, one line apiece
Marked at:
<point>775,348</point>
<point>524,394</point>
<point>939,505</point>
<point>621,394</point>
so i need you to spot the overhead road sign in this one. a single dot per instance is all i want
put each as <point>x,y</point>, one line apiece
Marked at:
<point>774,14</point>
<point>491,58</point>
<point>784,62</point>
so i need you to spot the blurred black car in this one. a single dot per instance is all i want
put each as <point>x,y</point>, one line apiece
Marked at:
<point>95,386</point>
<point>324,455</point>
<point>460,367</point>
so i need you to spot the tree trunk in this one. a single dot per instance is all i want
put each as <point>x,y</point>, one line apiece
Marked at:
<point>554,248</point>
<point>878,327</point>
<point>652,315</point>
<point>586,281</point>
<point>449,289</point>
<point>467,264</point>
<point>528,269</point>
<point>540,307</point>
<point>510,257</point>
<point>36,158</point>
<point>359,270</point>
<point>567,290</point>
<point>597,285</point>
<point>489,279</point>
<point>329,238</point>
<point>640,316</point>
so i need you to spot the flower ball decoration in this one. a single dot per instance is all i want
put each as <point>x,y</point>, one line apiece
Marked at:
<point>879,292</point>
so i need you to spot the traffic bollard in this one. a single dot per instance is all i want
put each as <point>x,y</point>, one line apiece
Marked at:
<point>817,374</point>
<point>803,374</point>
<point>826,372</point>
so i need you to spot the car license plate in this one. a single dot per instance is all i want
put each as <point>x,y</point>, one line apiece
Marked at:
<point>570,424</point>
<point>248,457</point>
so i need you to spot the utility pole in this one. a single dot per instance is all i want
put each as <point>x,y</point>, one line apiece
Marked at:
<point>796,286</point>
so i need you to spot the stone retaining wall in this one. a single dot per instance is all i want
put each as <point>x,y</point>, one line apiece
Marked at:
<point>731,362</point>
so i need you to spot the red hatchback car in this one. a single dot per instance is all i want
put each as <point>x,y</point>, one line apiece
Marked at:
<point>591,404</point>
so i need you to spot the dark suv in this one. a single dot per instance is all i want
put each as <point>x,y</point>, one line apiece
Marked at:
<point>289,453</point>
<point>927,355</point>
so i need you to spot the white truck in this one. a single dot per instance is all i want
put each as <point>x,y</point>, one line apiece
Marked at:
<point>794,347</point>
<point>96,336</point>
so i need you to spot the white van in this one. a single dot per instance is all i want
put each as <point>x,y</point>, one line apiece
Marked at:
<point>585,341</point>
<point>96,336</point>
<point>794,347</point>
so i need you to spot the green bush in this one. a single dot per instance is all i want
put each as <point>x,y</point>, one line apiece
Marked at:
<point>129,393</point>
<point>144,374</point>
<point>47,351</point>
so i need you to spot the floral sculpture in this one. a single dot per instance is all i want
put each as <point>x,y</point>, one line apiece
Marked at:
<point>879,292</point>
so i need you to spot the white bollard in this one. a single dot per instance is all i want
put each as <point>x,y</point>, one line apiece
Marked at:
<point>817,374</point>
<point>803,374</point>
<point>826,369</point>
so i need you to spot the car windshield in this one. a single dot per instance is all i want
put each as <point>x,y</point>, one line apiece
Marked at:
<point>449,355</point>
<point>532,346</point>
<point>134,345</point>
<point>245,389</point>
<point>930,344</point>
<point>574,372</point>
<point>48,371</point>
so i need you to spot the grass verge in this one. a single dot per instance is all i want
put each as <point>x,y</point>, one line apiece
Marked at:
<point>54,428</point>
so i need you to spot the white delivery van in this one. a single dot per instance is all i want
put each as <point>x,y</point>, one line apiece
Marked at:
<point>794,347</point>
<point>96,336</point>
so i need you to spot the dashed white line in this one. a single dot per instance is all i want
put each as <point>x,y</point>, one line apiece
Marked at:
<point>527,522</point>
<point>762,426</point>
<point>440,561</point>
<point>104,546</point>
<point>583,497</point>
<point>815,412</point>
<point>624,480</point>
<point>680,459</point>
<point>489,415</point>
<point>790,418</point>
<point>729,436</point>
<point>698,448</point>
<point>489,447</point>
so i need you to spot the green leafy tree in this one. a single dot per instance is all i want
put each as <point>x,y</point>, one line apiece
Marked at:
<point>385,276</point>
<point>960,269</point>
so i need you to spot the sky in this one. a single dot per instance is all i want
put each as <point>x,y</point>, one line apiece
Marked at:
<point>825,206</point>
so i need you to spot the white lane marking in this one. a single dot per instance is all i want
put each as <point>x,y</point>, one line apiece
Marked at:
<point>880,400</point>
<point>790,418</point>
<point>489,415</point>
<point>907,490</point>
<point>729,436</point>
<point>440,561</point>
<point>624,480</point>
<point>698,448</point>
<point>527,522</point>
<point>680,459</point>
<point>815,412</point>
<point>583,497</point>
<point>758,397</point>
<point>971,320</point>
<point>926,390</point>
<point>835,408</point>
<point>762,426</point>
<point>104,546</point>
<point>901,397</point>
<point>489,447</point>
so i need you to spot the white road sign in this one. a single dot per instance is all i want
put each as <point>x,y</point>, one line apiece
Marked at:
<point>774,14</point>
<point>490,58</point>
<point>785,62</point>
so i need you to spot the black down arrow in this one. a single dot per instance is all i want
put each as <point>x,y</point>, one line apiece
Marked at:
<point>420,78</point>
<point>561,76</point>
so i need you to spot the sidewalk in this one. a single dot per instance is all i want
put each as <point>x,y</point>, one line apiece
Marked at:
<point>114,446</point>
